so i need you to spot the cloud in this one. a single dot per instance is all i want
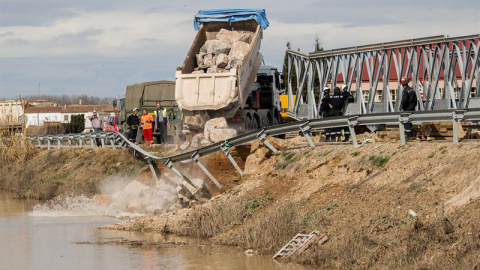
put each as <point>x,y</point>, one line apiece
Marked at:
<point>98,47</point>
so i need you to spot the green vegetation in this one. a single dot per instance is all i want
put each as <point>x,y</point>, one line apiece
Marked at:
<point>432,154</point>
<point>252,205</point>
<point>356,153</point>
<point>379,161</point>
<point>285,158</point>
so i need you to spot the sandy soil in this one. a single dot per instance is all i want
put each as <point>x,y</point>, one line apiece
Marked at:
<point>381,206</point>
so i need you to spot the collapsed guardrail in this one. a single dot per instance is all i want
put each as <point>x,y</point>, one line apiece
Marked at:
<point>350,121</point>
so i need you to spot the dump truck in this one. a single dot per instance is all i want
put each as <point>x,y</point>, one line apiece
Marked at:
<point>236,88</point>
<point>146,95</point>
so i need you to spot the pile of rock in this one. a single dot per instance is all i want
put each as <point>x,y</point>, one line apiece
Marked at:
<point>225,52</point>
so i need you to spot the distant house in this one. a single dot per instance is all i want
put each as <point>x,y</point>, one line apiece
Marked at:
<point>40,116</point>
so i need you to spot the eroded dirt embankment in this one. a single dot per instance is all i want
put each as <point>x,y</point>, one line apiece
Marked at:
<point>45,174</point>
<point>359,197</point>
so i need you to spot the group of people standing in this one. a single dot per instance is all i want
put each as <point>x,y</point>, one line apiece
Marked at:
<point>148,122</point>
<point>335,105</point>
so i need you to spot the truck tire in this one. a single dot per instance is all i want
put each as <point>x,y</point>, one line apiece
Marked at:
<point>265,117</point>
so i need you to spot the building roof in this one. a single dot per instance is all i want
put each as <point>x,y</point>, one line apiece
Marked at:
<point>71,109</point>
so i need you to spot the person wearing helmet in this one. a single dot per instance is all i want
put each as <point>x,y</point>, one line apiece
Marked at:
<point>133,122</point>
<point>325,103</point>
<point>347,96</point>
<point>408,103</point>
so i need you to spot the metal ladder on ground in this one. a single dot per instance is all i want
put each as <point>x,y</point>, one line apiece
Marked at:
<point>297,242</point>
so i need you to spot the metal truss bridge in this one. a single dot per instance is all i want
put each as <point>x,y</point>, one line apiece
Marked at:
<point>445,74</point>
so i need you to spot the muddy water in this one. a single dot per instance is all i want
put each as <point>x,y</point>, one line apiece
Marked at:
<point>72,242</point>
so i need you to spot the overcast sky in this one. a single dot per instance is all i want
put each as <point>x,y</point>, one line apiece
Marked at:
<point>97,47</point>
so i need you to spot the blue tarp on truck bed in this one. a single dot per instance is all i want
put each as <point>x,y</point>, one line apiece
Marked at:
<point>231,15</point>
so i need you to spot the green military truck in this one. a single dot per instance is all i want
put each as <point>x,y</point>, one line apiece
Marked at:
<point>146,96</point>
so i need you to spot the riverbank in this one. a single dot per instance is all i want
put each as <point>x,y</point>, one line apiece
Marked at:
<point>46,174</point>
<point>380,206</point>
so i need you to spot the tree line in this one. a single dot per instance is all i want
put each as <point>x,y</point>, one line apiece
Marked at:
<point>73,99</point>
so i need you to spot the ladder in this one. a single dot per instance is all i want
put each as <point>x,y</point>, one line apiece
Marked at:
<point>300,240</point>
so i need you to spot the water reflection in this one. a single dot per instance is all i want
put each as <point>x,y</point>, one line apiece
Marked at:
<point>29,242</point>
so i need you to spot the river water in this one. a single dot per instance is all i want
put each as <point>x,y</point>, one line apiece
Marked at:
<point>74,242</point>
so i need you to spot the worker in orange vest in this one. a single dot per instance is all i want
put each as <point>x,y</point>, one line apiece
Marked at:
<point>146,121</point>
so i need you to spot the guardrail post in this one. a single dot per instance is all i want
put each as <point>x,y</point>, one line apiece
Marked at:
<point>195,158</point>
<point>112,143</point>
<point>457,116</point>
<point>38,140</point>
<point>80,141</point>
<point>48,143</point>
<point>403,118</point>
<point>58,143</point>
<point>169,165</point>
<point>69,141</point>
<point>352,122</point>
<point>226,150</point>
<point>305,130</point>
<point>102,139</point>
<point>152,169</point>
<point>262,137</point>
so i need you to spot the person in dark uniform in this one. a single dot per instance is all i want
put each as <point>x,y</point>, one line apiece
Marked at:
<point>133,122</point>
<point>325,103</point>
<point>348,98</point>
<point>409,103</point>
<point>338,102</point>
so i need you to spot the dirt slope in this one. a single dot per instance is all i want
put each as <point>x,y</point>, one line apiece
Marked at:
<point>45,174</point>
<point>359,197</point>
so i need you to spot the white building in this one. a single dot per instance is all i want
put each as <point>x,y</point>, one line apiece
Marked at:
<point>39,116</point>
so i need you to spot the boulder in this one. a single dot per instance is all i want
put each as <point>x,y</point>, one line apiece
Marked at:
<point>231,36</point>
<point>184,145</point>
<point>197,139</point>
<point>220,135</point>
<point>134,188</point>
<point>215,47</point>
<point>222,60</point>
<point>213,69</point>
<point>208,61</point>
<point>196,122</point>
<point>238,52</point>
<point>219,122</point>
<point>199,57</point>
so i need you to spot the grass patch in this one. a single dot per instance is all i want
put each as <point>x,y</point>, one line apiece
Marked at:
<point>285,158</point>
<point>356,153</point>
<point>326,153</point>
<point>252,205</point>
<point>379,161</point>
<point>432,154</point>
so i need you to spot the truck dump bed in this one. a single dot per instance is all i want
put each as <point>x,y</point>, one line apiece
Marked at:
<point>224,92</point>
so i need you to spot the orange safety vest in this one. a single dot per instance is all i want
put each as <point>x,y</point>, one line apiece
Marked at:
<point>147,121</point>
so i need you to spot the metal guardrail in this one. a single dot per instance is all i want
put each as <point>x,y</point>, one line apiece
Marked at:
<point>350,121</point>
<point>79,140</point>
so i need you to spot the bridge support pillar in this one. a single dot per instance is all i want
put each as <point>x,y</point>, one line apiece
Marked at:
<point>305,130</point>
<point>195,158</point>
<point>263,138</point>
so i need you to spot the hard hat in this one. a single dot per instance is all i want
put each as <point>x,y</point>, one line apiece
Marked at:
<point>344,87</point>
<point>135,110</point>
<point>404,81</point>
